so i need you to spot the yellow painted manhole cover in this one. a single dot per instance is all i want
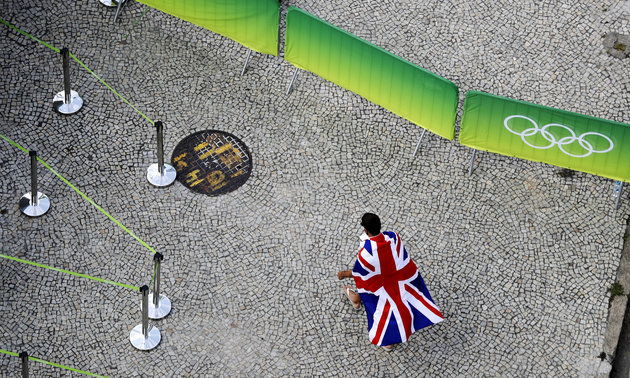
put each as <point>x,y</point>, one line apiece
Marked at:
<point>212,162</point>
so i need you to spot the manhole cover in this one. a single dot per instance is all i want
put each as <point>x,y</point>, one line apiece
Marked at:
<point>212,162</point>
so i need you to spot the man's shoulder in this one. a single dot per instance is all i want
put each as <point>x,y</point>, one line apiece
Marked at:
<point>390,234</point>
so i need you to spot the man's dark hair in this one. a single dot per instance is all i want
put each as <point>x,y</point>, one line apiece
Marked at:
<point>371,223</point>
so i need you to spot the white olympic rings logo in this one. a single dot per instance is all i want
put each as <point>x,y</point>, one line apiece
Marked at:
<point>586,145</point>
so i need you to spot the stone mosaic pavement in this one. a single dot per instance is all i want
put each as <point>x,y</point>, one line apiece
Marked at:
<point>518,257</point>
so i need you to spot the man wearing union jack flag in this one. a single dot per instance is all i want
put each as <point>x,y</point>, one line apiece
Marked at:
<point>397,301</point>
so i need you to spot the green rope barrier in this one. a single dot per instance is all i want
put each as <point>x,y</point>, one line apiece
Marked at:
<point>65,367</point>
<point>13,143</point>
<point>136,288</point>
<point>97,206</point>
<point>112,89</point>
<point>83,195</point>
<point>53,364</point>
<point>30,36</point>
<point>84,66</point>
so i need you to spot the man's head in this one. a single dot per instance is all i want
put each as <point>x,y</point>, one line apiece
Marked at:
<point>371,223</point>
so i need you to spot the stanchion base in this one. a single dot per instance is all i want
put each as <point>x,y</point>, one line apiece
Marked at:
<point>162,309</point>
<point>109,3</point>
<point>76,102</point>
<point>43,205</point>
<point>145,343</point>
<point>156,179</point>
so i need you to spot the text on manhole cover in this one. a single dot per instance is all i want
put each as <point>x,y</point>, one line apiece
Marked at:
<point>212,162</point>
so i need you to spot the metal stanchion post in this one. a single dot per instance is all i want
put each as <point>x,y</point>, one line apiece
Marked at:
<point>143,336</point>
<point>292,79</point>
<point>619,195</point>
<point>160,174</point>
<point>34,203</point>
<point>67,101</point>
<point>249,55</point>
<point>118,8</point>
<point>159,305</point>
<point>472,162</point>
<point>24,358</point>
<point>419,140</point>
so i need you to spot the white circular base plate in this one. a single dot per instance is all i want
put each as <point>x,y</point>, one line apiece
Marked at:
<point>42,207</point>
<point>109,3</point>
<point>156,179</point>
<point>140,342</point>
<point>162,309</point>
<point>76,102</point>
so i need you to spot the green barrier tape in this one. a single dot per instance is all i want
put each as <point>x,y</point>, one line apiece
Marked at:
<point>97,206</point>
<point>53,364</point>
<point>65,367</point>
<point>84,66</point>
<point>70,272</point>
<point>13,143</point>
<point>83,195</point>
<point>30,36</point>
<point>111,89</point>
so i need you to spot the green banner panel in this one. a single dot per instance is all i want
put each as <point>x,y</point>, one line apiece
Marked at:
<point>409,91</point>
<point>252,23</point>
<point>539,133</point>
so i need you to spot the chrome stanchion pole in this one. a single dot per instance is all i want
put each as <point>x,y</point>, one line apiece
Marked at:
<point>159,305</point>
<point>34,203</point>
<point>34,197</point>
<point>143,336</point>
<point>160,174</point>
<point>67,101</point>
<point>24,358</point>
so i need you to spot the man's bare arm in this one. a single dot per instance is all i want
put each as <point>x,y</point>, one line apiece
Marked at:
<point>344,274</point>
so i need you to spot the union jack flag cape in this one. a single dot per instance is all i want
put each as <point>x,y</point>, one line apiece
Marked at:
<point>397,301</point>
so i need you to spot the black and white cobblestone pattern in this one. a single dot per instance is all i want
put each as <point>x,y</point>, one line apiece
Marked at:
<point>517,257</point>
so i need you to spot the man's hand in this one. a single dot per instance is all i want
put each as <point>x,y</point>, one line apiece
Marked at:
<point>344,274</point>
